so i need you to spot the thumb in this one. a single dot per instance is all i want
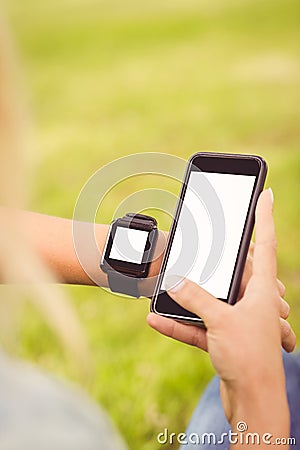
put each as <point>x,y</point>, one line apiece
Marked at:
<point>195,299</point>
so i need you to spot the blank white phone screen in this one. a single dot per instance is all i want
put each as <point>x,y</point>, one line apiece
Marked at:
<point>230,196</point>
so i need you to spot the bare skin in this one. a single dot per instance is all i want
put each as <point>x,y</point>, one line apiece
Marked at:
<point>256,323</point>
<point>52,240</point>
<point>244,341</point>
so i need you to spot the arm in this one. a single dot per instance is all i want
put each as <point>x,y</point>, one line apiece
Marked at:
<point>244,341</point>
<point>52,240</point>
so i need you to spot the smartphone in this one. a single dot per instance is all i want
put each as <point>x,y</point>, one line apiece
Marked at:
<point>212,227</point>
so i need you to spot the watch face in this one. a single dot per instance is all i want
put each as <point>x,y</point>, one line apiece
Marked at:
<point>129,245</point>
<point>128,249</point>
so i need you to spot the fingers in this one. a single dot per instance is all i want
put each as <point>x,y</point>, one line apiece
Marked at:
<point>194,298</point>
<point>288,338</point>
<point>281,288</point>
<point>247,274</point>
<point>284,309</point>
<point>264,255</point>
<point>188,334</point>
<point>248,271</point>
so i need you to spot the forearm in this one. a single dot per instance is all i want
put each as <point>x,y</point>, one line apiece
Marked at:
<point>264,409</point>
<point>52,240</point>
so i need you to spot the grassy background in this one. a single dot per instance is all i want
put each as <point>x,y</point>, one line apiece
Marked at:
<point>111,78</point>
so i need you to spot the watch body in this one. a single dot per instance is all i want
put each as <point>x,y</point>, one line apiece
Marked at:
<point>128,252</point>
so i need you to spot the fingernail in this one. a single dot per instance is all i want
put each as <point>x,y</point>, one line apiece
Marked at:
<point>271,195</point>
<point>174,283</point>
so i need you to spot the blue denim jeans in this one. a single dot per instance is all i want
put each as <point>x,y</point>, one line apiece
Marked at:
<point>208,426</point>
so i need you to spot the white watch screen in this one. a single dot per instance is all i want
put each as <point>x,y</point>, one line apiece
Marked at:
<point>129,245</point>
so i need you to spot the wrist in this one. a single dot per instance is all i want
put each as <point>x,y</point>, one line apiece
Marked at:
<point>263,406</point>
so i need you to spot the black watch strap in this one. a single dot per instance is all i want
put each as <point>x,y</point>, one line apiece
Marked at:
<point>119,282</point>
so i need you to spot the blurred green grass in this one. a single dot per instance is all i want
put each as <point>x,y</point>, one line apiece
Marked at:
<point>111,78</point>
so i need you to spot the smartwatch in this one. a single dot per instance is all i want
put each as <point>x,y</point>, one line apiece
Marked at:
<point>128,252</point>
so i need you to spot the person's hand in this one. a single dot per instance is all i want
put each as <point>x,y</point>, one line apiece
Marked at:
<point>196,336</point>
<point>244,340</point>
